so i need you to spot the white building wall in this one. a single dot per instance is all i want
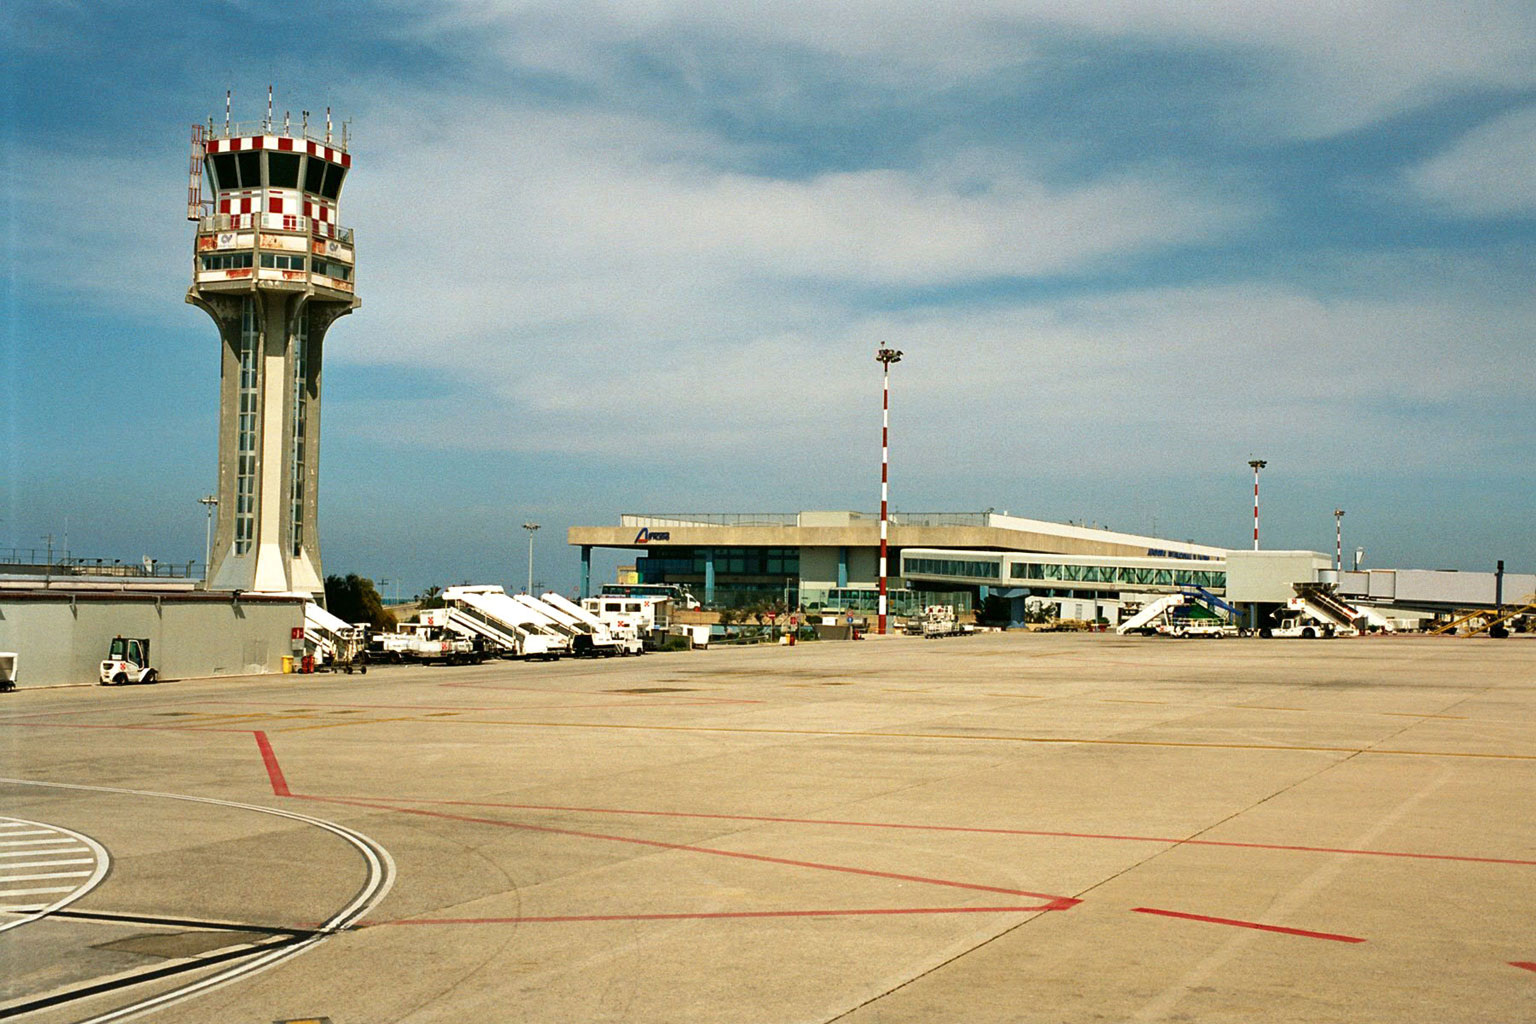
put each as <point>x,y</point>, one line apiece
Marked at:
<point>1267,576</point>
<point>59,642</point>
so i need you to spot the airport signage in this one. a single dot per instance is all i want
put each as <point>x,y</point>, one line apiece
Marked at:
<point>646,535</point>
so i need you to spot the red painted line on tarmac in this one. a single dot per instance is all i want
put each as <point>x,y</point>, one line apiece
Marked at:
<point>1052,902</point>
<point>1523,964</point>
<point>964,829</point>
<point>274,770</point>
<point>1330,936</point>
<point>722,915</point>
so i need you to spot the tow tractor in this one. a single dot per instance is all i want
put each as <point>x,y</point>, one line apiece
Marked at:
<point>128,662</point>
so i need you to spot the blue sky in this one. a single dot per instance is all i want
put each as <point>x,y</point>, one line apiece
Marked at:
<point>639,257</point>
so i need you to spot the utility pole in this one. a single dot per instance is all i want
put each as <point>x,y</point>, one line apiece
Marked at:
<point>1338,539</point>
<point>210,502</point>
<point>1257,465</point>
<point>530,527</point>
<point>885,357</point>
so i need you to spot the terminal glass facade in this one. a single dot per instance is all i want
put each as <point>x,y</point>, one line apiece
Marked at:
<point>726,577</point>
<point>951,567</point>
<point>1119,575</point>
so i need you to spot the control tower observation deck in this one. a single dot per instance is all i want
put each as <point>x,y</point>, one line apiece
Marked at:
<point>274,268</point>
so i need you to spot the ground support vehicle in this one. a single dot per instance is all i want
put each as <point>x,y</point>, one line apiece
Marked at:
<point>127,661</point>
<point>7,671</point>
<point>1216,629</point>
<point>496,617</point>
<point>939,621</point>
<point>648,617</point>
<point>596,637</point>
<point>1314,613</point>
<point>1295,625</point>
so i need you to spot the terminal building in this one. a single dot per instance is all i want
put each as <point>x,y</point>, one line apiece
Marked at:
<point>830,560</point>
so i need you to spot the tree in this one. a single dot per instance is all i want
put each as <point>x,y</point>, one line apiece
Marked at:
<point>432,597</point>
<point>353,598</point>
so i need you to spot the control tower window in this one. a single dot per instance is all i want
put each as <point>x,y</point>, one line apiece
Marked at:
<point>333,175</point>
<point>283,170</point>
<point>314,172</point>
<point>224,174</point>
<point>250,168</point>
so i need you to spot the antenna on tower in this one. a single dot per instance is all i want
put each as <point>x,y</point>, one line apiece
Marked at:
<point>305,129</point>
<point>267,124</point>
<point>227,94</point>
<point>286,116</point>
<point>327,126</point>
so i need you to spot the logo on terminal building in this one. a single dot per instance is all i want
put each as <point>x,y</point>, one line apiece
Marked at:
<point>646,535</point>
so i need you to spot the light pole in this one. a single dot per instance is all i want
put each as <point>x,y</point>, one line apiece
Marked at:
<point>530,527</point>
<point>1257,465</point>
<point>1338,539</point>
<point>210,502</point>
<point>885,357</point>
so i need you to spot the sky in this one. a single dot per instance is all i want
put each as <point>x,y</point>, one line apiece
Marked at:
<point>639,257</point>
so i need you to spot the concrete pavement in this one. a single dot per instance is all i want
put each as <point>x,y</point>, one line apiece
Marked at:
<point>998,828</point>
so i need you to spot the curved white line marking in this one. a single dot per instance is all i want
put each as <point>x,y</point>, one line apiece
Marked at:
<point>103,862</point>
<point>381,878</point>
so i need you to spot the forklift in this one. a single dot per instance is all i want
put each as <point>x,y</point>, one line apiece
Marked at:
<point>128,662</point>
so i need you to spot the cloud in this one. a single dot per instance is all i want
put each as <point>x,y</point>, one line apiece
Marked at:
<point>1489,172</point>
<point>1321,68</point>
<point>599,233</point>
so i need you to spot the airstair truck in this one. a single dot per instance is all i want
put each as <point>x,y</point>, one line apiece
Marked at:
<point>490,605</point>
<point>592,638</point>
<point>1314,613</point>
<point>626,637</point>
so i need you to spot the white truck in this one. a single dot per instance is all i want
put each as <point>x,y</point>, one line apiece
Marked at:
<point>648,617</point>
<point>427,640</point>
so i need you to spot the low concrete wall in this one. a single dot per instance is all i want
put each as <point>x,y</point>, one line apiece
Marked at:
<point>61,637</point>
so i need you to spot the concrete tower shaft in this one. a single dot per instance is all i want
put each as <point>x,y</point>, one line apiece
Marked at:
<point>274,270</point>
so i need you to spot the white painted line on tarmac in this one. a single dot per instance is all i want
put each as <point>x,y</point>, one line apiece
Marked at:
<point>381,878</point>
<point>44,864</point>
<point>70,845</point>
<point>42,853</point>
<point>7,879</point>
<point>29,832</point>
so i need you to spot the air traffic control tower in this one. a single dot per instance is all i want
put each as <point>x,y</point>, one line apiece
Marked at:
<point>274,269</point>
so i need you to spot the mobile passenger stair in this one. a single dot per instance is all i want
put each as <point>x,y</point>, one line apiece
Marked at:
<point>1321,601</point>
<point>488,612</point>
<point>1194,612</point>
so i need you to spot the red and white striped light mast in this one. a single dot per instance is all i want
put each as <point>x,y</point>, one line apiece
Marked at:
<point>1338,539</point>
<point>1257,465</point>
<point>886,356</point>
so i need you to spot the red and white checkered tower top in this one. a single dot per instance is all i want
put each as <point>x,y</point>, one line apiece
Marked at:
<point>274,191</point>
